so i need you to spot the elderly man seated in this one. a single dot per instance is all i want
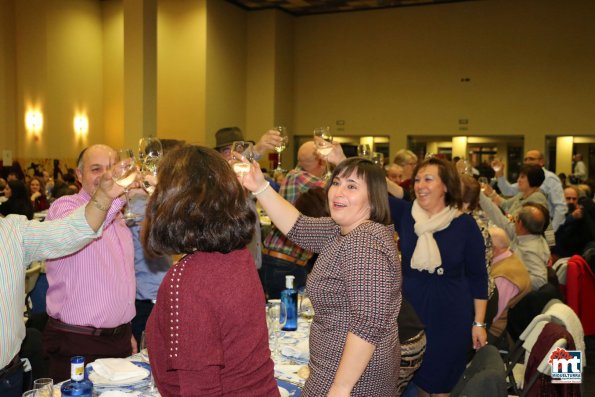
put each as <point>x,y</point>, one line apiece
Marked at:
<point>526,234</point>
<point>510,276</point>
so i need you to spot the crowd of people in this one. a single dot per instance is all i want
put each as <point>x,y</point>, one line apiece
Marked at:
<point>410,267</point>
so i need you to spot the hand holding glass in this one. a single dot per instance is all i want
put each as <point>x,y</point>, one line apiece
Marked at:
<point>483,181</point>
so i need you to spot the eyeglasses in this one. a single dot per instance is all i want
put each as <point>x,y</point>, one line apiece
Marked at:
<point>571,198</point>
<point>530,159</point>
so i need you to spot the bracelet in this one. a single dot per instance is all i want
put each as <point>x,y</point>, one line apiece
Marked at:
<point>478,324</point>
<point>99,206</point>
<point>266,186</point>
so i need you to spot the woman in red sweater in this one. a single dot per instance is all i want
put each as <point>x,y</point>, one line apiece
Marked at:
<point>207,335</point>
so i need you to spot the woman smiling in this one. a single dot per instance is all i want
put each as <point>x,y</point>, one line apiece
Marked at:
<point>355,286</point>
<point>444,273</point>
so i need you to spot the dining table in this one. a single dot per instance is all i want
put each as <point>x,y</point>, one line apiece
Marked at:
<point>289,351</point>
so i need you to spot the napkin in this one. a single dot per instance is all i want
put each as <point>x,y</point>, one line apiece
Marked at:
<point>118,370</point>
<point>299,351</point>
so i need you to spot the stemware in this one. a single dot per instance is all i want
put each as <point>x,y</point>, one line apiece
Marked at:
<point>246,149</point>
<point>277,317</point>
<point>378,159</point>
<point>150,152</point>
<point>124,173</point>
<point>281,147</point>
<point>44,387</point>
<point>324,143</point>
<point>483,181</point>
<point>142,349</point>
<point>364,150</point>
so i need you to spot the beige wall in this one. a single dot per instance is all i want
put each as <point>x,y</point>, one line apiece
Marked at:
<point>390,72</point>
<point>398,71</point>
<point>113,72</point>
<point>181,70</point>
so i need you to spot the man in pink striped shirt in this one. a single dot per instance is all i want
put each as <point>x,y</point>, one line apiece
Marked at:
<point>90,300</point>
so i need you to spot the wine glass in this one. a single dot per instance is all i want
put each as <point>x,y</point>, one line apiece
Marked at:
<point>281,147</point>
<point>378,159</point>
<point>246,149</point>
<point>44,387</point>
<point>144,353</point>
<point>483,181</point>
<point>324,143</point>
<point>124,173</point>
<point>364,150</point>
<point>277,317</point>
<point>150,152</point>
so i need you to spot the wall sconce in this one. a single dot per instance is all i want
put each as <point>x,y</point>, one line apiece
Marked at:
<point>81,125</point>
<point>34,123</point>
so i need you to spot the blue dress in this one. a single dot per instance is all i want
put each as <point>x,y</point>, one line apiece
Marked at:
<point>443,300</point>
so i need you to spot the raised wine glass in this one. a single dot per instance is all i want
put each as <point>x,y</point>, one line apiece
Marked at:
<point>378,159</point>
<point>281,147</point>
<point>124,173</point>
<point>246,149</point>
<point>150,152</point>
<point>364,150</point>
<point>483,181</point>
<point>324,144</point>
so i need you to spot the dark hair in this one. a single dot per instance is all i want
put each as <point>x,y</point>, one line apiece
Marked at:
<point>534,173</point>
<point>470,191</point>
<point>534,224</point>
<point>313,203</point>
<point>449,176</point>
<point>198,205</point>
<point>19,201</point>
<point>375,181</point>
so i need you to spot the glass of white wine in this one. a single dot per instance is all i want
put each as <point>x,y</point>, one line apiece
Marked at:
<point>378,159</point>
<point>281,147</point>
<point>246,149</point>
<point>483,181</point>
<point>150,152</point>
<point>324,144</point>
<point>124,173</point>
<point>364,150</point>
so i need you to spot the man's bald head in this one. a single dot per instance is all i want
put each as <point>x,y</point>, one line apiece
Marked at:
<point>534,157</point>
<point>309,159</point>
<point>500,240</point>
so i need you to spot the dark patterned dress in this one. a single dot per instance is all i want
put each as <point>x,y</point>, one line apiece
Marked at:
<point>443,300</point>
<point>355,287</point>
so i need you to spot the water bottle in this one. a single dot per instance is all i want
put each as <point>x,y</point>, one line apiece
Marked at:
<point>289,298</point>
<point>78,385</point>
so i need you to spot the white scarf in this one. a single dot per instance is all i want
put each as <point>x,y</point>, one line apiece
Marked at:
<point>427,255</point>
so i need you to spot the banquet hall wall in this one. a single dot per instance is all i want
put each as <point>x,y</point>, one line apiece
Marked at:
<point>507,67</point>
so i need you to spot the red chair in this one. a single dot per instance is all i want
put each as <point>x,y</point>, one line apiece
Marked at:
<point>580,292</point>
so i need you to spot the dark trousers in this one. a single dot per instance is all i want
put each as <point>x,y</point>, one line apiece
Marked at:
<point>274,271</point>
<point>60,346</point>
<point>11,383</point>
<point>139,322</point>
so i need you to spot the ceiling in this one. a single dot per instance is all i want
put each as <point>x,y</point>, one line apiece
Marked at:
<point>311,7</point>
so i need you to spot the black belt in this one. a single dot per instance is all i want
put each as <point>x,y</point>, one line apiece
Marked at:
<point>81,330</point>
<point>11,367</point>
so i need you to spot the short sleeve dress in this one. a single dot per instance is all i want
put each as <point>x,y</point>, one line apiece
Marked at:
<point>443,300</point>
<point>355,287</point>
